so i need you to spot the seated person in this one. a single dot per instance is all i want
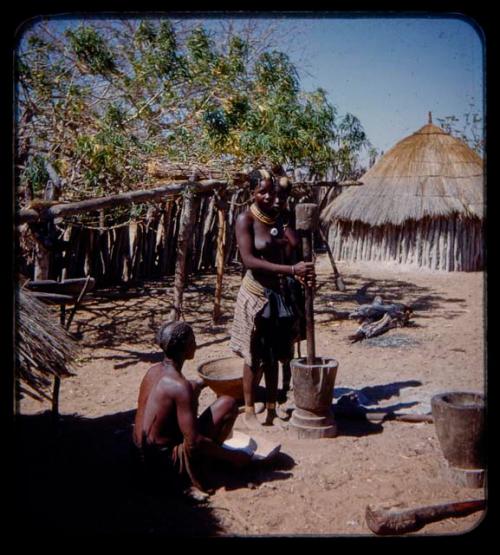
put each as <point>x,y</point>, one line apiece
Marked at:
<point>167,432</point>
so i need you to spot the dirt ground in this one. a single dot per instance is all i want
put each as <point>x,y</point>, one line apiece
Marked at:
<point>314,487</point>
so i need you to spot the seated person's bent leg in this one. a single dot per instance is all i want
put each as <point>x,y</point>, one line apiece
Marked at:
<point>217,420</point>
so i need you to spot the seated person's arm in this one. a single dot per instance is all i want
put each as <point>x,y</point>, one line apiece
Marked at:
<point>198,385</point>
<point>194,441</point>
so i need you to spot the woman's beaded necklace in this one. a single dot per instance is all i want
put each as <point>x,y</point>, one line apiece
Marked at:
<point>254,209</point>
<point>259,215</point>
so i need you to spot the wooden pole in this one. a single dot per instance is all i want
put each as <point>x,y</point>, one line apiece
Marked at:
<point>167,213</point>
<point>42,254</point>
<point>207,215</point>
<point>392,522</point>
<point>57,379</point>
<point>148,195</point>
<point>42,262</point>
<point>339,283</point>
<point>186,224</point>
<point>221,256</point>
<point>306,219</point>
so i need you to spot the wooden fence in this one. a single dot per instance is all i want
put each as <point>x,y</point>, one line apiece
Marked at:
<point>147,248</point>
<point>189,228</point>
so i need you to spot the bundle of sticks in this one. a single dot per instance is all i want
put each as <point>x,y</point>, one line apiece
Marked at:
<point>379,317</point>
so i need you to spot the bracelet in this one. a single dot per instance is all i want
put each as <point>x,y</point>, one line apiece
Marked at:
<point>293,270</point>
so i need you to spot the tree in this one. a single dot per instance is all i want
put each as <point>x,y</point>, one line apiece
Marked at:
<point>97,99</point>
<point>469,128</point>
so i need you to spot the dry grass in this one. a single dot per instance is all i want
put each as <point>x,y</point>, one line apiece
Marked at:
<point>427,174</point>
<point>43,347</point>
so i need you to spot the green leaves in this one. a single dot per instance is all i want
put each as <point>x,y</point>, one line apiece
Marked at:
<point>200,49</point>
<point>146,34</point>
<point>216,121</point>
<point>92,50</point>
<point>35,173</point>
<point>110,95</point>
<point>158,43</point>
<point>114,117</point>
<point>275,73</point>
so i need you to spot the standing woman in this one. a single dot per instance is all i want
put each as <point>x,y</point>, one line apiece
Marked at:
<point>266,322</point>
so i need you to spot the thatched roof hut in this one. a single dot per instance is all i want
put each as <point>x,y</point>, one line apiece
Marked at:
<point>44,349</point>
<point>421,204</point>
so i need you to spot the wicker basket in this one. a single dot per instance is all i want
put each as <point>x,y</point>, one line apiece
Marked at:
<point>224,376</point>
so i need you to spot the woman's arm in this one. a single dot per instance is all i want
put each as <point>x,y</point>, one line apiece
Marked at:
<point>245,238</point>
<point>292,242</point>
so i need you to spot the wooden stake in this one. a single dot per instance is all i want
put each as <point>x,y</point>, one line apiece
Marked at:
<point>393,522</point>
<point>339,283</point>
<point>219,261</point>
<point>185,235</point>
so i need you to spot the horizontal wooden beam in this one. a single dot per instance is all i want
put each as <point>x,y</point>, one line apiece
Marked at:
<point>326,183</point>
<point>44,213</point>
<point>55,298</point>
<point>71,286</point>
<point>27,215</point>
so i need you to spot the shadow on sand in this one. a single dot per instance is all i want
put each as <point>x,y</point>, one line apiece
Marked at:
<point>420,299</point>
<point>78,477</point>
<point>353,406</point>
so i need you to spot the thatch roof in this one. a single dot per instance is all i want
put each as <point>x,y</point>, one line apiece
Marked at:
<point>44,349</point>
<point>427,174</point>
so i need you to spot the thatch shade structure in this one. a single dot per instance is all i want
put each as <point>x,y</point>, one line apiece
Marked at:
<point>44,349</point>
<point>421,204</point>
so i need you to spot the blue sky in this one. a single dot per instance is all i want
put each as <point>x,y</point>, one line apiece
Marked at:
<point>391,72</point>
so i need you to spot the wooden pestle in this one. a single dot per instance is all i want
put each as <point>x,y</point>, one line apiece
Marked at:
<point>305,223</point>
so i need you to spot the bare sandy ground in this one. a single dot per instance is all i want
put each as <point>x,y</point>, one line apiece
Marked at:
<point>316,487</point>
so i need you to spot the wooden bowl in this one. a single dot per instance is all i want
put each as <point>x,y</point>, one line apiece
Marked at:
<point>224,376</point>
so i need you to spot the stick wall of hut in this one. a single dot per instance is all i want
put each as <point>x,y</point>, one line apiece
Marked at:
<point>448,244</point>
